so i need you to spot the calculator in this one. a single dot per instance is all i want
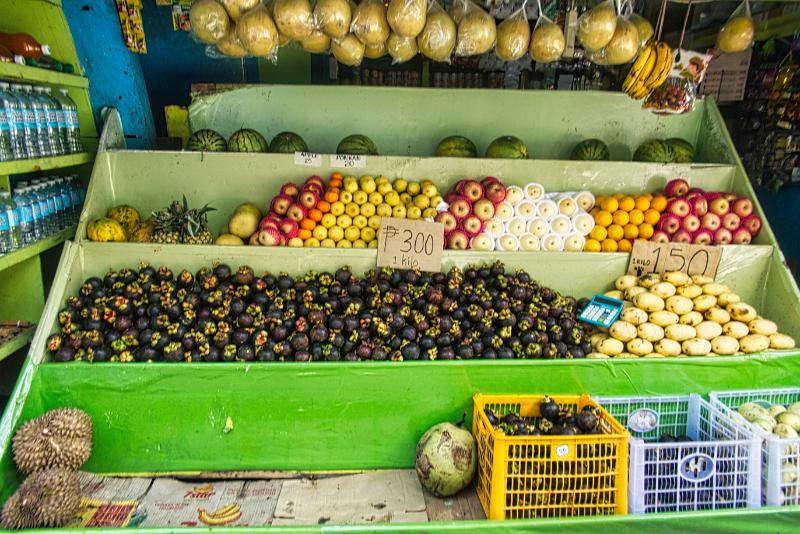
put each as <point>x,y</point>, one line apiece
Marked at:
<point>602,311</point>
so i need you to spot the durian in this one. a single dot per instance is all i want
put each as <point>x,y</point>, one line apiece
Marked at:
<point>47,498</point>
<point>58,438</point>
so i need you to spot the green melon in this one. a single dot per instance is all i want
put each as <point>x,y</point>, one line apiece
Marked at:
<point>684,150</point>
<point>247,140</point>
<point>358,145</point>
<point>655,151</point>
<point>456,146</point>
<point>206,140</point>
<point>590,150</point>
<point>507,147</point>
<point>287,143</point>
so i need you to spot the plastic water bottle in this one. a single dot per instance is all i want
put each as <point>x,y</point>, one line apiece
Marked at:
<point>49,105</point>
<point>6,122</point>
<point>52,206</point>
<point>76,193</point>
<point>11,236</point>
<point>44,208</point>
<point>61,121</point>
<point>66,201</point>
<point>5,229</point>
<point>36,211</point>
<point>26,122</point>
<point>40,118</point>
<point>73,139</point>
<point>25,210</point>
<point>14,120</point>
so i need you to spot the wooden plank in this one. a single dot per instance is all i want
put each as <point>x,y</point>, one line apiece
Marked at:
<point>464,506</point>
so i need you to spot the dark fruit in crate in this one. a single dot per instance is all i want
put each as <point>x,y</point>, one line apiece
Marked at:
<point>549,409</point>
<point>586,419</point>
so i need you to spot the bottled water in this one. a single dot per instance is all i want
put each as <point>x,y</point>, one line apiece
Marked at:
<point>36,211</point>
<point>5,229</point>
<point>76,193</point>
<point>11,236</point>
<point>40,118</point>
<point>25,210</point>
<point>6,121</point>
<point>66,200</point>
<point>61,121</point>
<point>44,208</point>
<point>52,205</point>
<point>26,122</point>
<point>55,142</point>
<point>73,138</point>
<point>14,120</point>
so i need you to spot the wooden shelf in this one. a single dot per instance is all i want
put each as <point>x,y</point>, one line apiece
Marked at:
<point>15,343</point>
<point>22,166</point>
<point>13,71</point>
<point>35,249</point>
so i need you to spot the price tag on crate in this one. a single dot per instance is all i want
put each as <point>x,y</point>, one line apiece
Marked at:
<point>348,161</point>
<point>649,257</point>
<point>308,159</point>
<point>602,311</point>
<point>410,244</point>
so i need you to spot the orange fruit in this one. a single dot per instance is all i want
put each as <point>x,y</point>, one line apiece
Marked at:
<point>314,214</point>
<point>598,233</point>
<point>621,217</point>
<point>615,232</point>
<point>642,203</point>
<point>592,245</point>
<point>631,231</point>
<point>636,216</point>
<point>307,224</point>
<point>304,234</point>
<point>646,230</point>
<point>659,203</point>
<point>336,176</point>
<point>610,205</point>
<point>331,196</point>
<point>627,203</point>
<point>594,211</point>
<point>335,182</point>
<point>324,206</point>
<point>608,245</point>
<point>603,218</point>
<point>624,246</point>
<point>618,196</point>
<point>652,216</point>
<point>648,196</point>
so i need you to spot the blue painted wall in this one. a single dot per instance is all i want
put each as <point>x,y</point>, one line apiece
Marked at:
<point>115,75</point>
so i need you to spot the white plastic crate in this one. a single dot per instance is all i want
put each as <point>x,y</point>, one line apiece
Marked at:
<point>719,467</point>
<point>781,457</point>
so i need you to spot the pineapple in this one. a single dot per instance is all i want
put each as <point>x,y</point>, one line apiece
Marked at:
<point>179,224</point>
<point>167,224</point>
<point>195,230</point>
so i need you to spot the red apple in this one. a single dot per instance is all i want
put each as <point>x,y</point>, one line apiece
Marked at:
<point>731,221</point>
<point>719,205</point>
<point>681,236</point>
<point>711,195</point>
<point>296,212</point>
<point>753,224</point>
<point>268,222</point>
<point>281,203</point>
<point>679,207</point>
<point>447,219</point>
<point>472,225</point>
<point>694,191</point>
<point>269,237</point>
<point>484,209</point>
<point>691,223</point>
<point>460,207</point>
<point>289,228</point>
<point>451,196</point>
<point>316,188</point>
<point>289,189</point>
<point>472,190</point>
<point>722,236</point>
<point>659,237</point>
<point>457,240</point>
<point>703,237</point>
<point>699,205</point>
<point>742,207</point>
<point>741,237</point>
<point>458,186</point>
<point>308,198</point>
<point>676,188</point>
<point>490,180</point>
<point>669,224</point>
<point>710,221</point>
<point>495,191</point>
<point>315,180</point>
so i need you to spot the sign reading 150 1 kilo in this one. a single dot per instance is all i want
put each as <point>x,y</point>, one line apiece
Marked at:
<point>410,244</point>
<point>651,257</point>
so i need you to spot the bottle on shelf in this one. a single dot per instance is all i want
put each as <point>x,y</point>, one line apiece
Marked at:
<point>9,224</point>
<point>40,116</point>
<point>61,121</point>
<point>44,208</point>
<point>73,138</point>
<point>13,116</point>
<point>51,109</point>
<point>7,122</point>
<point>22,44</point>
<point>36,210</point>
<point>26,122</point>
<point>25,210</point>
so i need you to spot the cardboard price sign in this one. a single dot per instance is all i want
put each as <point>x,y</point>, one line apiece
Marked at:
<point>649,257</point>
<point>410,244</point>
<point>348,161</point>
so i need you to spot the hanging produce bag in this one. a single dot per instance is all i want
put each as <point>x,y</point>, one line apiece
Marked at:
<point>477,31</point>
<point>334,17</point>
<point>294,18</point>
<point>209,21</point>
<point>369,22</point>
<point>406,17</point>
<point>401,49</point>
<point>596,26</point>
<point>738,32</point>
<point>258,33</point>
<point>547,41</point>
<point>438,37</point>
<point>513,36</point>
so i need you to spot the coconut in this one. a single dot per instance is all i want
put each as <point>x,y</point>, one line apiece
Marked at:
<point>401,49</point>
<point>513,37</point>
<point>237,8</point>
<point>316,43</point>
<point>736,35</point>
<point>477,32</point>
<point>643,26</point>
<point>231,45</point>
<point>375,51</point>
<point>258,32</point>
<point>333,17</point>
<point>624,45</point>
<point>209,20</point>
<point>547,42</point>
<point>596,26</point>
<point>438,37</point>
<point>406,17</point>
<point>348,51</point>
<point>369,22</point>
<point>446,459</point>
<point>294,18</point>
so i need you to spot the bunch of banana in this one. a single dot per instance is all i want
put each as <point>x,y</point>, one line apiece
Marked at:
<point>649,71</point>
<point>221,516</point>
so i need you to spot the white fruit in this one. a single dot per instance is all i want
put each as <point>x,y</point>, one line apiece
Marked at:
<point>735,329</point>
<point>718,315</point>
<point>781,342</point>
<point>668,347</point>
<point>708,330</point>
<point>633,315</point>
<point>651,332</point>
<point>624,282</point>
<point>623,330</point>
<point>754,343</point>
<point>692,318</point>
<point>679,304</point>
<point>680,332</point>
<point>664,318</point>
<point>696,347</point>
<point>704,302</point>
<point>649,302</point>
<point>690,291</point>
<point>724,345</point>
<point>763,327</point>
<point>676,278</point>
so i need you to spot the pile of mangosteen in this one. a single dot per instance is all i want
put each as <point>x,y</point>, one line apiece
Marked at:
<point>554,421</point>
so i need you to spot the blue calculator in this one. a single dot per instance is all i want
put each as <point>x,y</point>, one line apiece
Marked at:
<point>602,311</point>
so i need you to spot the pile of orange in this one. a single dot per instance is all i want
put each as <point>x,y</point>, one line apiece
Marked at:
<point>619,219</point>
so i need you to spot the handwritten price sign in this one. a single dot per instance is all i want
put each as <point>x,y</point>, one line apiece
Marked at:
<point>308,159</point>
<point>649,257</point>
<point>409,244</point>
<point>348,161</point>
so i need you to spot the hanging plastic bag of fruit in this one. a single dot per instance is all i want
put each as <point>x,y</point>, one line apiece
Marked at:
<point>513,36</point>
<point>653,61</point>
<point>229,46</point>
<point>316,43</point>
<point>477,31</point>
<point>257,32</point>
<point>401,49</point>
<point>624,44</point>
<point>738,32</point>
<point>334,17</point>
<point>596,26</point>
<point>209,20</point>
<point>369,22</point>
<point>407,17</point>
<point>294,18</point>
<point>438,38</point>
<point>348,51</point>
<point>678,94</point>
<point>547,40</point>
<point>643,26</point>
<point>237,8</point>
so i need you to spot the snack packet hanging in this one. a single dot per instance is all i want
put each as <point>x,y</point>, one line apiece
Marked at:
<point>294,18</point>
<point>348,50</point>
<point>257,32</point>
<point>406,17</point>
<point>334,17</point>
<point>738,32</point>
<point>596,26</point>
<point>513,36</point>
<point>369,22</point>
<point>438,37</point>
<point>678,94</point>
<point>209,21</point>
<point>547,41</point>
<point>477,31</point>
<point>401,49</point>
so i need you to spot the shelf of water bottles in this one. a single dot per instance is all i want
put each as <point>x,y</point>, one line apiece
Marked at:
<point>38,209</point>
<point>37,122</point>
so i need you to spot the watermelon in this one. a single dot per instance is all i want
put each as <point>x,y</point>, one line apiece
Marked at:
<point>206,140</point>
<point>684,150</point>
<point>247,140</point>
<point>358,145</point>
<point>590,150</point>
<point>456,146</point>
<point>508,147</point>
<point>287,143</point>
<point>655,151</point>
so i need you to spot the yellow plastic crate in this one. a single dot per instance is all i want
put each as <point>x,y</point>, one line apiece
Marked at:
<point>549,476</point>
